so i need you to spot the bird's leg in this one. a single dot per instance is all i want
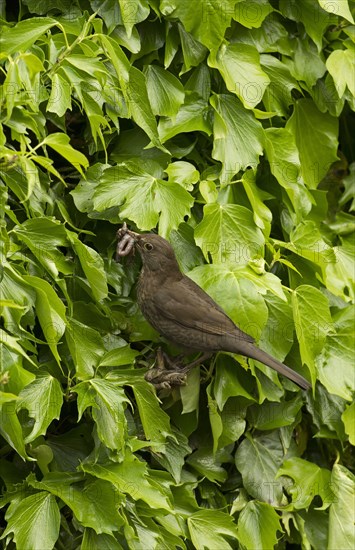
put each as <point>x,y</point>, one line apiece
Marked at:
<point>198,361</point>
<point>173,363</point>
<point>176,363</point>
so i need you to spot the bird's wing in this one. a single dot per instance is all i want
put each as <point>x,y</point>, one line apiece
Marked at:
<point>186,303</point>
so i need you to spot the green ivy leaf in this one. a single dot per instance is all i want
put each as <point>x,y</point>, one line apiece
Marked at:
<point>251,16</point>
<point>183,173</point>
<point>93,267</point>
<point>34,521</point>
<point>138,100</point>
<point>118,357</point>
<point>43,399</point>
<point>285,165</point>
<point>61,144</point>
<point>258,524</point>
<point>192,50</point>
<point>239,64</point>
<point>312,322</point>
<point>278,334</point>
<point>172,458</point>
<point>131,477</point>
<point>238,136</point>
<point>100,514</point>
<point>315,134</point>
<point>338,7</point>
<point>24,34</point>
<point>341,513</point>
<point>165,91</point>
<point>155,421</point>
<point>50,311</point>
<point>86,347</point>
<point>258,459</point>
<point>308,66</point>
<point>313,17</point>
<point>91,541</point>
<point>133,12</point>
<point>44,236</point>
<point>145,198</point>
<point>229,382</point>
<point>191,117</point>
<point>10,342</point>
<point>326,410</point>
<point>309,480</point>
<point>11,429</point>
<point>341,66</point>
<point>60,98</point>
<point>339,272</point>
<point>338,377</point>
<point>208,529</point>
<point>209,464</point>
<point>228,233</point>
<point>278,95</point>
<point>107,402</point>
<point>269,416</point>
<point>207,22</point>
<point>348,417</point>
<point>262,214</point>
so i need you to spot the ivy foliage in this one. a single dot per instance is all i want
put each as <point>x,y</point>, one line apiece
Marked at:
<point>225,125</point>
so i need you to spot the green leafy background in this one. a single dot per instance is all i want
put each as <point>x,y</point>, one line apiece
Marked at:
<point>226,125</point>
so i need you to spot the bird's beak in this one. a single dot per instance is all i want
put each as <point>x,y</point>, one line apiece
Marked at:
<point>135,236</point>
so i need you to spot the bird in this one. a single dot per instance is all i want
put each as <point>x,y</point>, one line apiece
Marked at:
<point>182,312</point>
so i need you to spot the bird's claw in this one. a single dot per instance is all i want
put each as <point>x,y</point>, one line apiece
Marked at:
<point>165,379</point>
<point>167,372</point>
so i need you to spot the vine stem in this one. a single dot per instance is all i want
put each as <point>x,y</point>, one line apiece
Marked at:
<point>70,47</point>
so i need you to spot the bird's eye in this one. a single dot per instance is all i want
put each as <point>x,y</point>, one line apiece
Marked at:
<point>148,246</point>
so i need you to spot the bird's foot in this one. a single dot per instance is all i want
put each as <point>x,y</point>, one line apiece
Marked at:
<point>165,379</point>
<point>169,372</point>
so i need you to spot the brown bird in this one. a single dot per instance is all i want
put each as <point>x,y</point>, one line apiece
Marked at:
<point>184,313</point>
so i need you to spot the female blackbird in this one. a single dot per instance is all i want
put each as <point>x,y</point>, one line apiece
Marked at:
<point>182,312</point>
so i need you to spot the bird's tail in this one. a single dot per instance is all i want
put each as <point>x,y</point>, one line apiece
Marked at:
<point>255,353</point>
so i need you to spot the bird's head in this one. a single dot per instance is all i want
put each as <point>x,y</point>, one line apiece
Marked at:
<point>156,252</point>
